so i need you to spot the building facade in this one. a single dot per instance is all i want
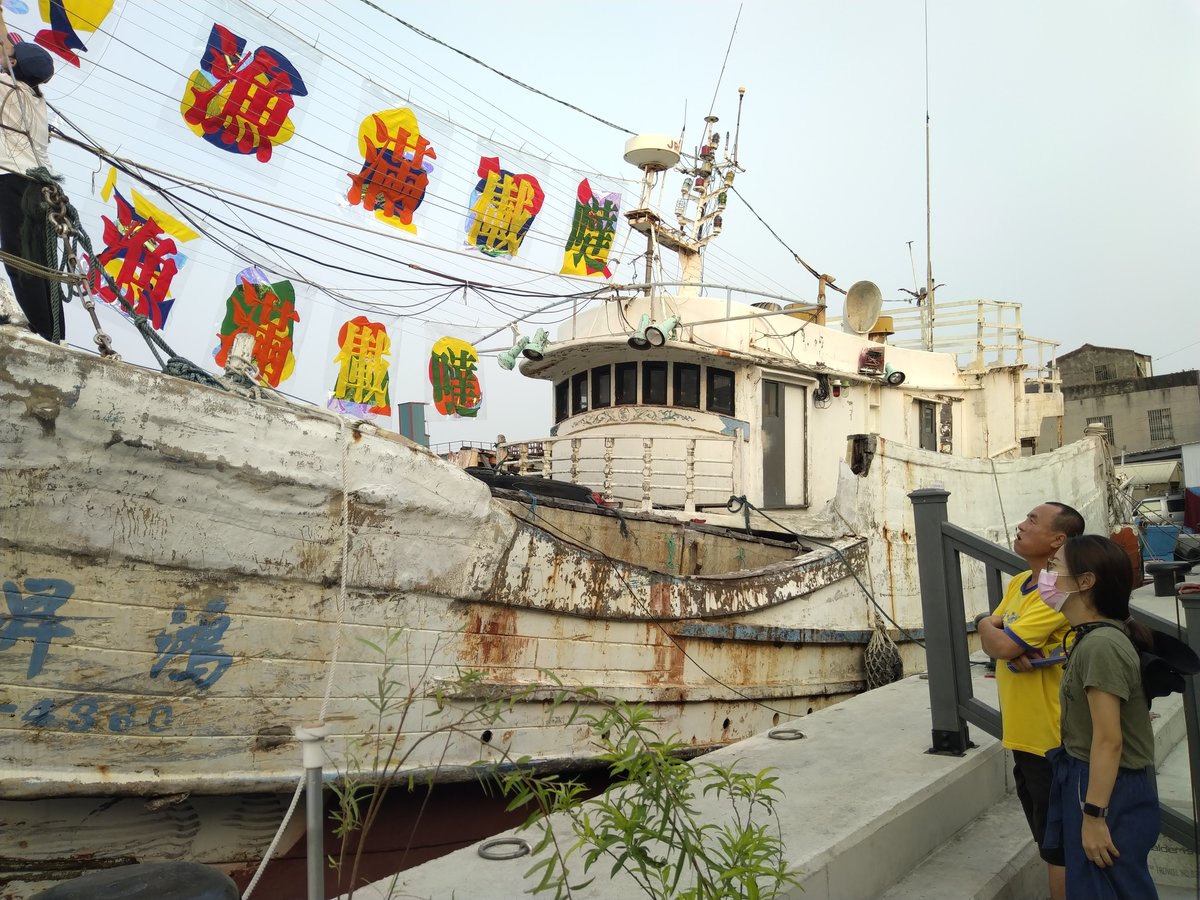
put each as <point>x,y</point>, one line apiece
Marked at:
<point>1140,411</point>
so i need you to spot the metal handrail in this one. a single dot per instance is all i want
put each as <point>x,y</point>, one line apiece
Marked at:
<point>940,547</point>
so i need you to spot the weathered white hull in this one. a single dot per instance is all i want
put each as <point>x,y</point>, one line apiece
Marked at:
<point>172,565</point>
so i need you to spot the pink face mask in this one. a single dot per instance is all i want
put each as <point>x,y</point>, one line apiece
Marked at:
<point>1049,591</point>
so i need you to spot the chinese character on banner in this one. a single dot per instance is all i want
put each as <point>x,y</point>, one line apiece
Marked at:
<point>240,101</point>
<point>452,372</point>
<point>592,233</point>
<point>67,18</point>
<point>266,310</point>
<point>361,388</point>
<point>396,167</point>
<point>503,206</point>
<point>140,254</point>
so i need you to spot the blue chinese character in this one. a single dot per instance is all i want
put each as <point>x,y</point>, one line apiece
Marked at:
<point>200,643</point>
<point>34,616</point>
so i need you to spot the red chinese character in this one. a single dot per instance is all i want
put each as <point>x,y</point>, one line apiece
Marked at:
<point>392,180</point>
<point>246,106</point>
<point>147,263</point>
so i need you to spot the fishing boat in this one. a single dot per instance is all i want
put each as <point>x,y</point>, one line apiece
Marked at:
<point>192,573</point>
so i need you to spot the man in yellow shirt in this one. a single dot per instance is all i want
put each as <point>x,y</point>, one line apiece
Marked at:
<point>1027,637</point>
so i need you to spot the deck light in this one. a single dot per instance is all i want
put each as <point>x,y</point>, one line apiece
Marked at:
<point>893,375</point>
<point>508,358</point>
<point>536,348</point>
<point>638,340</point>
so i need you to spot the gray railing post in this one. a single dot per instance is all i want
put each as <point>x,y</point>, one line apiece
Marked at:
<point>1191,694</point>
<point>950,734</point>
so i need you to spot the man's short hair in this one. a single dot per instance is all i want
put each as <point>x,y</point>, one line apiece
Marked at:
<point>1068,520</point>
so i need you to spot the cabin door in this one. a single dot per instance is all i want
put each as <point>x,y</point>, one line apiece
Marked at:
<point>927,415</point>
<point>783,433</point>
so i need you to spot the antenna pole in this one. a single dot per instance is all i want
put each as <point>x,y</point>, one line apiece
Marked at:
<point>737,129</point>
<point>927,313</point>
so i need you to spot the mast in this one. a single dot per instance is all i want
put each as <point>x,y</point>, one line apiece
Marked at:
<point>707,177</point>
<point>927,310</point>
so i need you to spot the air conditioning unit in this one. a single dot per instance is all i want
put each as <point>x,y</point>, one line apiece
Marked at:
<point>870,361</point>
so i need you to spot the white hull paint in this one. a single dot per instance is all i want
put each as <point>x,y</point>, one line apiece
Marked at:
<point>171,559</point>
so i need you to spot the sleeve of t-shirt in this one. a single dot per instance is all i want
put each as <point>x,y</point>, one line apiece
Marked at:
<point>1034,628</point>
<point>1109,667</point>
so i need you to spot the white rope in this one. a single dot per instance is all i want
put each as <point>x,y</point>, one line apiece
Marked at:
<point>340,605</point>
<point>287,817</point>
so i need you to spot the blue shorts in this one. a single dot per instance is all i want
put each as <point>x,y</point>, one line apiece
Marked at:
<point>1133,823</point>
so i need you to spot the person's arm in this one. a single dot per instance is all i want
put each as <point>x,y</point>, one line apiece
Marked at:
<point>995,642</point>
<point>1103,760</point>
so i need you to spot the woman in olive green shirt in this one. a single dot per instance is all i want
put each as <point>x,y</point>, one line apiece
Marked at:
<point>1103,796</point>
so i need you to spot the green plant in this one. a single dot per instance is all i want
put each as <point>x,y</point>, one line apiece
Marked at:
<point>648,824</point>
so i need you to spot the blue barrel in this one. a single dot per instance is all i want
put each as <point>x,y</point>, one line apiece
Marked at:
<point>1160,541</point>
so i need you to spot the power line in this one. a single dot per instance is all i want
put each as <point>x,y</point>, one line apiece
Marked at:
<point>503,75</point>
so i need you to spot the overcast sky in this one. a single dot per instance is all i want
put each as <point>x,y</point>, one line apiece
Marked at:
<point>1065,136</point>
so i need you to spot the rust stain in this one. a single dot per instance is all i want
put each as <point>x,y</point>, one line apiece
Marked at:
<point>660,599</point>
<point>490,639</point>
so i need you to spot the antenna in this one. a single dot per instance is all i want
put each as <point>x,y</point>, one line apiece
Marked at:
<point>737,129</point>
<point>927,312</point>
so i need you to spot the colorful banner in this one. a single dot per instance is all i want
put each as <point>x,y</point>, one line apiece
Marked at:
<point>502,209</point>
<point>362,386</point>
<point>267,310</point>
<point>454,376</point>
<point>397,163</point>
<point>593,228</point>
<point>241,102</point>
<point>73,25</point>
<point>141,254</point>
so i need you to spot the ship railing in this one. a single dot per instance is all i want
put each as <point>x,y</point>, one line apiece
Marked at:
<point>636,471</point>
<point>941,548</point>
<point>981,334</point>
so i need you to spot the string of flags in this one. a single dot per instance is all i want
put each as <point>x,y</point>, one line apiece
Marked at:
<point>242,99</point>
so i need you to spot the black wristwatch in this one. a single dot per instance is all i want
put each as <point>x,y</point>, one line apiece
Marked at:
<point>1096,812</point>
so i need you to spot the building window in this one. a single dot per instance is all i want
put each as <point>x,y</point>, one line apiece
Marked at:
<point>579,393</point>
<point>720,391</point>
<point>626,383</point>
<point>601,387</point>
<point>562,394</point>
<point>1106,421</point>
<point>1161,428</point>
<point>1103,373</point>
<point>686,386</point>
<point>654,383</point>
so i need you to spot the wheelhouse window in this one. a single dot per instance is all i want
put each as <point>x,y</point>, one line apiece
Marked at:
<point>720,391</point>
<point>686,385</point>
<point>562,393</point>
<point>627,383</point>
<point>601,387</point>
<point>579,393</point>
<point>654,383</point>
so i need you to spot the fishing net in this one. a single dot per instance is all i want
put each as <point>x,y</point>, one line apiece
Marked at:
<point>881,659</point>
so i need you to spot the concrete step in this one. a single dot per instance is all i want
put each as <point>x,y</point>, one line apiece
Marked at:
<point>1172,865</point>
<point>993,858</point>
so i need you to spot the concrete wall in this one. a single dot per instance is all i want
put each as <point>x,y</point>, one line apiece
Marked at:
<point>1079,367</point>
<point>1129,403</point>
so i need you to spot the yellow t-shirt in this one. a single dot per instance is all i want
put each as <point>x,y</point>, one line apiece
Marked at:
<point>1029,704</point>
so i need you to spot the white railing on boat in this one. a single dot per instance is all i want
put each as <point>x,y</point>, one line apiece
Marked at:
<point>981,334</point>
<point>650,472</point>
